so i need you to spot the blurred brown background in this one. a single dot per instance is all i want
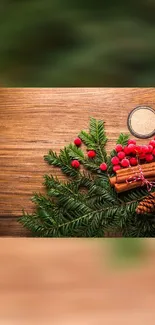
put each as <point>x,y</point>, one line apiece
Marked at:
<point>73,281</point>
<point>77,43</point>
<point>32,121</point>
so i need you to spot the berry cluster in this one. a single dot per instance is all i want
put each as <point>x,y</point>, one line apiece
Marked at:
<point>131,154</point>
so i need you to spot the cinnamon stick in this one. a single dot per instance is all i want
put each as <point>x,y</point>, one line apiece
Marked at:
<point>123,174</point>
<point>147,174</point>
<point>132,170</point>
<point>122,187</point>
<point>113,180</point>
<point>145,167</point>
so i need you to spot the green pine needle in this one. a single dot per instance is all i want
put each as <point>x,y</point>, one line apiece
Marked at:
<point>123,139</point>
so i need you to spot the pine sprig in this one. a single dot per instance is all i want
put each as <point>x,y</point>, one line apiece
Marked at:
<point>91,165</point>
<point>87,139</point>
<point>75,153</point>
<point>63,161</point>
<point>86,205</point>
<point>96,138</point>
<point>97,131</point>
<point>123,139</point>
<point>108,217</point>
<point>53,159</point>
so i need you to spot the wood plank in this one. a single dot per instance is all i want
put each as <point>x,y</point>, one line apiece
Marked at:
<point>10,227</point>
<point>34,120</point>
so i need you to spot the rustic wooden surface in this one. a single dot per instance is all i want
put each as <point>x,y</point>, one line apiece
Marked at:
<point>34,120</point>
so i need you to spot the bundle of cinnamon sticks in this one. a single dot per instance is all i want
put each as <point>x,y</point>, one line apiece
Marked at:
<point>122,183</point>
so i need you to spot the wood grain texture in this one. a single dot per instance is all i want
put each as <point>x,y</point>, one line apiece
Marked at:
<point>34,120</point>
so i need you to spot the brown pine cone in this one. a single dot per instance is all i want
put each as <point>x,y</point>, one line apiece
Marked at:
<point>147,205</point>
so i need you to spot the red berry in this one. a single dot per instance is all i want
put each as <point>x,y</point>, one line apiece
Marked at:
<point>75,163</point>
<point>116,167</point>
<point>119,147</point>
<point>149,157</point>
<point>131,141</point>
<point>133,161</point>
<point>77,142</point>
<point>91,153</point>
<point>126,150</point>
<point>115,160</point>
<point>125,162</point>
<point>138,149</point>
<point>153,152</point>
<point>142,156</point>
<point>150,148</point>
<point>121,155</point>
<point>152,143</point>
<point>145,149</point>
<point>132,148</point>
<point>103,166</point>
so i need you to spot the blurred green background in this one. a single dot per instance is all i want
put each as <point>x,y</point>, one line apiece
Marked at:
<point>52,43</point>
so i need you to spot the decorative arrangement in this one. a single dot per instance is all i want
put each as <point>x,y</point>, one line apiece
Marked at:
<point>105,193</point>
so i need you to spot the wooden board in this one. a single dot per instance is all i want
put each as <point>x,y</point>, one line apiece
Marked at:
<point>34,120</point>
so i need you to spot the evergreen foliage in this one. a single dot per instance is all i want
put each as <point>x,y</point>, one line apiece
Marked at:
<point>86,205</point>
<point>54,43</point>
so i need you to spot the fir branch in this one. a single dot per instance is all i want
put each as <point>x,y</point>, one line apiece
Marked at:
<point>79,217</point>
<point>108,217</point>
<point>68,196</point>
<point>123,139</point>
<point>91,165</point>
<point>36,226</point>
<point>96,139</point>
<point>56,187</point>
<point>62,161</point>
<point>75,153</point>
<point>87,140</point>
<point>97,131</point>
<point>41,200</point>
<point>106,192</point>
<point>66,163</point>
<point>53,159</point>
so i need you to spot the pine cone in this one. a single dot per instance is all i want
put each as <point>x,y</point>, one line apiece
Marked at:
<point>147,205</point>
